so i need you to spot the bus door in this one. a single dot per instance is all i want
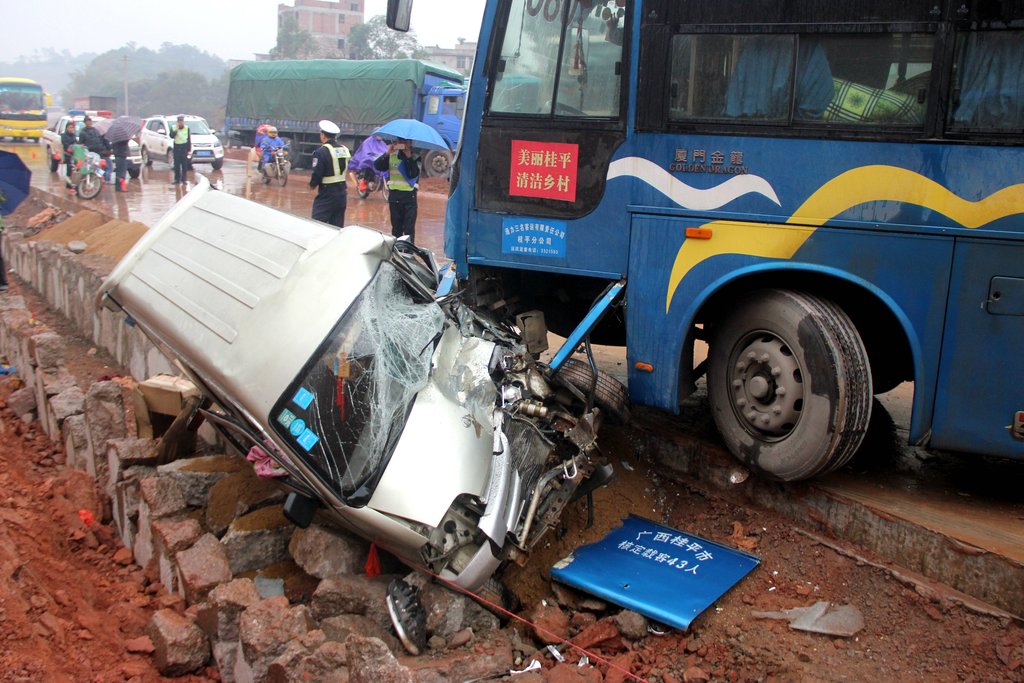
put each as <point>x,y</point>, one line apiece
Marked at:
<point>554,117</point>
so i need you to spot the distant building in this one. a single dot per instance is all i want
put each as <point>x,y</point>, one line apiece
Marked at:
<point>459,57</point>
<point>328,21</point>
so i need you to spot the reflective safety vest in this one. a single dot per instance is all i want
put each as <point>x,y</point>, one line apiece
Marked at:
<point>181,135</point>
<point>339,157</point>
<point>397,181</point>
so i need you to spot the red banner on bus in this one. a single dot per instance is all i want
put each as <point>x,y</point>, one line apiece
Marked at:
<point>544,169</point>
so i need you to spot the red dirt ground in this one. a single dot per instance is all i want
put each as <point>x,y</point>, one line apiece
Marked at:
<point>73,607</point>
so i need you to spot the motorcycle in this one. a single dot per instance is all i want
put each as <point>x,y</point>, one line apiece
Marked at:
<point>87,172</point>
<point>369,181</point>
<point>277,167</point>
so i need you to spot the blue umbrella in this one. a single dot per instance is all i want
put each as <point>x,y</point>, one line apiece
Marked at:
<point>419,133</point>
<point>14,182</point>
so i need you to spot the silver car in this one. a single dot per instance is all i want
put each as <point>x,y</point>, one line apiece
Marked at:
<point>407,416</point>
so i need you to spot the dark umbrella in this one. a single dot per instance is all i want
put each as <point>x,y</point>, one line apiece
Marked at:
<point>14,182</point>
<point>120,129</point>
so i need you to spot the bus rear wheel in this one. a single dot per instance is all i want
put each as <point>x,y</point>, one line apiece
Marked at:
<point>789,384</point>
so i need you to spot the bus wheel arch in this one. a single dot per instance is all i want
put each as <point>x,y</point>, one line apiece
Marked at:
<point>789,383</point>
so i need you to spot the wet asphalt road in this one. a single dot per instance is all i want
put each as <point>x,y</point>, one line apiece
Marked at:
<point>151,195</point>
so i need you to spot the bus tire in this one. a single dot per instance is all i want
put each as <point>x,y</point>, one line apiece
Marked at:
<point>609,394</point>
<point>789,384</point>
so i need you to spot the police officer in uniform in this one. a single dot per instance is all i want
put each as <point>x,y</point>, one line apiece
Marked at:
<point>403,177</point>
<point>181,139</point>
<point>330,163</point>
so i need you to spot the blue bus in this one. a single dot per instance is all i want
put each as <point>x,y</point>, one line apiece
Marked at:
<point>829,194</point>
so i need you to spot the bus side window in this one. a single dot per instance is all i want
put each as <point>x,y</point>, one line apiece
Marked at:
<point>843,78</point>
<point>988,94</point>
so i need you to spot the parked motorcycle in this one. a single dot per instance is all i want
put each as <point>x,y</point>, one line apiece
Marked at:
<point>277,167</point>
<point>87,169</point>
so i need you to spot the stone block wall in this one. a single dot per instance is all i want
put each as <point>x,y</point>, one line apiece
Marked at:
<point>259,599</point>
<point>69,284</point>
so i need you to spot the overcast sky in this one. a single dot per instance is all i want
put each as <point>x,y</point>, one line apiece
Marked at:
<point>230,29</point>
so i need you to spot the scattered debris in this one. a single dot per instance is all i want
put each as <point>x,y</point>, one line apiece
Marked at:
<point>821,617</point>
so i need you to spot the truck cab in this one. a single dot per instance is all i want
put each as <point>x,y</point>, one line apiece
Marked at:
<point>443,108</point>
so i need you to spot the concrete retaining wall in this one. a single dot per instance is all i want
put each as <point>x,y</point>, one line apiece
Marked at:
<point>69,283</point>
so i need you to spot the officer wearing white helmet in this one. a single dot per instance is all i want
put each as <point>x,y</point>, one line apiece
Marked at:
<point>330,163</point>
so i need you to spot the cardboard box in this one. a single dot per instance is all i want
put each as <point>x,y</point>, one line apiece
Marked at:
<point>159,400</point>
<point>166,394</point>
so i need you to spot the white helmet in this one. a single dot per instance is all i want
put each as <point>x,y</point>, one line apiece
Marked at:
<point>272,131</point>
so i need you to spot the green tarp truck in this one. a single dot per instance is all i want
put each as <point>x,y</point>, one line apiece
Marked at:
<point>358,95</point>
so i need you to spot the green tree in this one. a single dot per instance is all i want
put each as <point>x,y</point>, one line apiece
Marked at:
<point>293,42</point>
<point>174,79</point>
<point>374,40</point>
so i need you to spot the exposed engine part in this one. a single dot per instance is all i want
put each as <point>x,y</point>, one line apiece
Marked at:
<point>534,331</point>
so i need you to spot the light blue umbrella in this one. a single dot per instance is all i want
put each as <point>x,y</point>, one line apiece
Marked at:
<point>420,134</point>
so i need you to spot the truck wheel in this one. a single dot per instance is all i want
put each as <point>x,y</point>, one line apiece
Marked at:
<point>217,164</point>
<point>170,158</point>
<point>789,384</point>
<point>146,160</point>
<point>438,163</point>
<point>54,161</point>
<point>134,171</point>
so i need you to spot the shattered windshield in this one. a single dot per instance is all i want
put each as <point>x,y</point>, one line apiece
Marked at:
<point>346,410</point>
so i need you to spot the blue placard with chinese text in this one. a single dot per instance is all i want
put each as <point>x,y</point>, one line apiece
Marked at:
<point>533,237</point>
<point>662,573</point>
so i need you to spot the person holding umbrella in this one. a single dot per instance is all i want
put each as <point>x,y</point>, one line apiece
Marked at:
<point>118,132</point>
<point>404,168</point>
<point>330,163</point>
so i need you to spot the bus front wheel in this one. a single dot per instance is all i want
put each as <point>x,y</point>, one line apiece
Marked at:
<point>789,384</point>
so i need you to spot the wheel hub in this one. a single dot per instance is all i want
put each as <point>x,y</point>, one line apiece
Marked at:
<point>766,385</point>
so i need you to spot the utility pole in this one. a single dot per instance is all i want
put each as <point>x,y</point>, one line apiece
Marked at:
<point>125,58</point>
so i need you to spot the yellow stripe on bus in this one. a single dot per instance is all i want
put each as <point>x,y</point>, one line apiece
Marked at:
<point>854,187</point>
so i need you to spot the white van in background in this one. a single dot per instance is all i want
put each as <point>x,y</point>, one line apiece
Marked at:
<point>155,140</point>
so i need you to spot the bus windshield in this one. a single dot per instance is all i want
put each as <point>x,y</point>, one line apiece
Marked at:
<point>19,98</point>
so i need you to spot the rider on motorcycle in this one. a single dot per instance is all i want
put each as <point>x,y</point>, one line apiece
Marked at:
<point>269,143</point>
